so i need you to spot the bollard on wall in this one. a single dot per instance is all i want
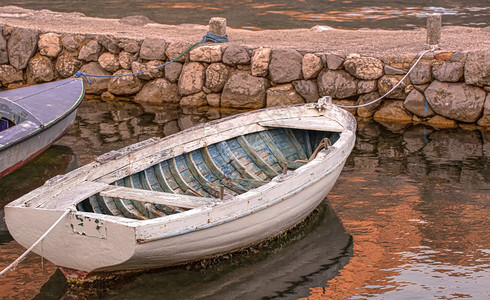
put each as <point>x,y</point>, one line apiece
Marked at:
<point>217,26</point>
<point>433,29</point>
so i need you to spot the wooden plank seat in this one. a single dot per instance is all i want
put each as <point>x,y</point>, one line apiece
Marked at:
<point>153,197</point>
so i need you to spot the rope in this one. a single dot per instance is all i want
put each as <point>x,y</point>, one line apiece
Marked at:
<point>207,37</point>
<point>18,260</point>
<point>392,89</point>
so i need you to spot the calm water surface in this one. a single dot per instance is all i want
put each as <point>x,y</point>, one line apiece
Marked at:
<point>278,14</point>
<point>407,219</point>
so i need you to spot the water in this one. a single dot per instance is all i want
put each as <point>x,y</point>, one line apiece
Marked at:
<point>279,14</point>
<point>407,219</point>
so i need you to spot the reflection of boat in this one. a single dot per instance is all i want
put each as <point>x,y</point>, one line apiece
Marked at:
<point>54,161</point>
<point>288,267</point>
<point>205,191</point>
<point>33,118</point>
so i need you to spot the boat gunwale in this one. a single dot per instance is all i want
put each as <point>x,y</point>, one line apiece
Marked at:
<point>43,127</point>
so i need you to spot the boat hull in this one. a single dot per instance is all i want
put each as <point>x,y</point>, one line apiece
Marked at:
<point>20,154</point>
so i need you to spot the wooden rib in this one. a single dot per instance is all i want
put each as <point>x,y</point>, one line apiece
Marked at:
<point>205,184</point>
<point>162,180</point>
<point>225,180</point>
<point>158,209</point>
<point>95,204</point>
<point>138,205</point>
<point>308,149</point>
<point>106,209</point>
<point>281,159</point>
<point>267,139</point>
<point>184,201</point>
<point>299,149</point>
<point>268,170</point>
<point>228,155</point>
<point>123,206</point>
<point>180,181</point>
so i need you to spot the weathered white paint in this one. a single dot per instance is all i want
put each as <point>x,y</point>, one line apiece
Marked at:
<point>211,229</point>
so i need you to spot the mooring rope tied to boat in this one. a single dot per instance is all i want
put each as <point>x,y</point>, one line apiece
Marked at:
<point>394,87</point>
<point>18,260</point>
<point>208,37</point>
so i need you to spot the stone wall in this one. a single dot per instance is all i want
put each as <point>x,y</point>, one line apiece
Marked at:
<point>445,89</point>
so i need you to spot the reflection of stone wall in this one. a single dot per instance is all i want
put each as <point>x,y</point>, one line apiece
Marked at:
<point>445,88</point>
<point>454,155</point>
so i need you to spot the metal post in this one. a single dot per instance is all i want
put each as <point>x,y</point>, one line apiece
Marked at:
<point>217,26</point>
<point>285,168</point>
<point>221,192</point>
<point>433,29</point>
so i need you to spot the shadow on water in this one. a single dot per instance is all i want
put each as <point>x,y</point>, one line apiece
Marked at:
<point>285,267</point>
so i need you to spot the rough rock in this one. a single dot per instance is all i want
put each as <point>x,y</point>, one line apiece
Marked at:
<point>458,56</point>
<point>109,62</point>
<point>260,62</point>
<point>448,71</point>
<point>126,85</point>
<point>99,84</point>
<point>67,64</point>
<point>422,73</point>
<point>366,68</point>
<point>285,65</point>
<point>177,48</point>
<point>4,57</point>
<point>21,46</point>
<point>343,103</point>
<point>477,68</point>
<point>159,90</point>
<point>333,61</point>
<point>207,54</point>
<point>39,69</point>
<point>417,105</point>
<point>284,94</point>
<point>236,55</point>
<point>485,120</point>
<point>90,52</point>
<point>196,100</point>
<point>191,78</point>
<point>149,69</point>
<point>311,66</point>
<point>393,110</point>
<point>389,70</point>
<point>106,96</point>
<point>308,89</point>
<point>337,84</point>
<point>9,74</point>
<point>440,122</point>
<point>125,60</point>
<point>153,49</point>
<point>387,82</point>
<point>129,45</point>
<point>366,86</point>
<point>216,76</point>
<point>172,71</point>
<point>70,42</point>
<point>456,101</point>
<point>49,44</point>
<point>244,91</point>
<point>214,100</point>
<point>368,111</point>
<point>109,42</point>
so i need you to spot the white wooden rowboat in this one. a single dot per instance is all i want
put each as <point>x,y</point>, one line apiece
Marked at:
<point>208,190</point>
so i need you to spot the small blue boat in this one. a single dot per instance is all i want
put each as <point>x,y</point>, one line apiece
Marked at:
<point>33,118</point>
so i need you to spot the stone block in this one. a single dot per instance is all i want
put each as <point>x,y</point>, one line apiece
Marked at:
<point>260,62</point>
<point>283,95</point>
<point>285,65</point>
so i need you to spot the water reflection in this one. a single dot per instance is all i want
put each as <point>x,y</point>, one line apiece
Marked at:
<point>415,200</point>
<point>279,14</point>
